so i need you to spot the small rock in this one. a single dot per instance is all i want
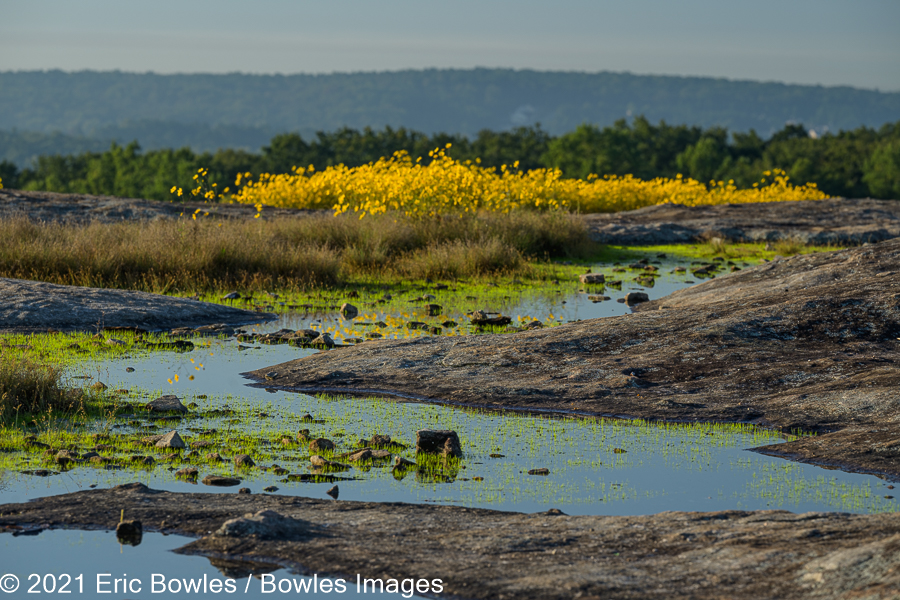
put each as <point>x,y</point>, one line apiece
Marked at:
<point>348,311</point>
<point>360,455</point>
<point>243,461</point>
<point>318,461</point>
<point>541,471</point>
<point>219,481</point>
<point>170,440</point>
<point>129,369</point>
<point>323,340</point>
<point>99,386</point>
<point>431,441</point>
<point>188,473</point>
<point>129,533</point>
<point>244,491</point>
<point>167,403</point>
<point>232,296</point>
<point>636,298</point>
<point>480,318</point>
<point>433,310</point>
<point>272,375</point>
<point>64,458</point>
<point>320,444</point>
<point>592,278</point>
<point>400,462</point>
<point>270,488</point>
<point>214,457</point>
<point>333,492</point>
<point>380,441</point>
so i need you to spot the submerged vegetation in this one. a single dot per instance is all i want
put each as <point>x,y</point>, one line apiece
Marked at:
<point>599,465</point>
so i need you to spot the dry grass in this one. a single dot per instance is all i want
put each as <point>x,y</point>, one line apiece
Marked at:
<point>187,255</point>
<point>28,387</point>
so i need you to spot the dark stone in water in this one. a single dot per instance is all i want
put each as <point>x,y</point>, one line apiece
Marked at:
<point>219,481</point>
<point>167,403</point>
<point>129,533</point>
<point>433,441</point>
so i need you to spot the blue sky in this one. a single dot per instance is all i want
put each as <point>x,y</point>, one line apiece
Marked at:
<point>826,42</point>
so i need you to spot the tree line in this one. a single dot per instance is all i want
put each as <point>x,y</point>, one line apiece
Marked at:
<point>856,163</point>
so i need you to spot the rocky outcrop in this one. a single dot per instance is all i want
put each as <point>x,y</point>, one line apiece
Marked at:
<point>837,221</point>
<point>35,306</point>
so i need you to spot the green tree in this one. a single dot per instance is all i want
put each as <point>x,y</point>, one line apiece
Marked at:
<point>882,171</point>
<point>706,160</point>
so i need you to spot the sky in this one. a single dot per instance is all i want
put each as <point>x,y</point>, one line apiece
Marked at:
<point>826,42</point>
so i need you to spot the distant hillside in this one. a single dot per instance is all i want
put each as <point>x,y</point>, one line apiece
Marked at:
<point>234,110</point>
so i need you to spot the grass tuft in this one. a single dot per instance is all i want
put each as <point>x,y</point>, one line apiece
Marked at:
<point>30,387</point>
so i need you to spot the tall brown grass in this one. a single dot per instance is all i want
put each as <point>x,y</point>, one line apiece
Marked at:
<point>188,255</point>
<point>29,387</point>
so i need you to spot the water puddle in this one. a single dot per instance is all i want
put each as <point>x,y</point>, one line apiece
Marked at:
<point>610,467</point>
<point>512,461</point>
<point>92,563</point>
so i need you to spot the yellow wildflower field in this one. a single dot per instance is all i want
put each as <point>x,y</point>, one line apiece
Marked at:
<point>445,185</point>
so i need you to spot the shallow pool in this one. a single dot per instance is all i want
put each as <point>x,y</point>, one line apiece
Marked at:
<point>592,466</point>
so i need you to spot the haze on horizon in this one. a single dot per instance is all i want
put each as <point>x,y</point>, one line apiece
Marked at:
<point>820,42</point>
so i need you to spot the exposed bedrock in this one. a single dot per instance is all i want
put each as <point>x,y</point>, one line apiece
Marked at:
<point>490,554</point>
<point>839,221</point>
<point>36,306</point>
